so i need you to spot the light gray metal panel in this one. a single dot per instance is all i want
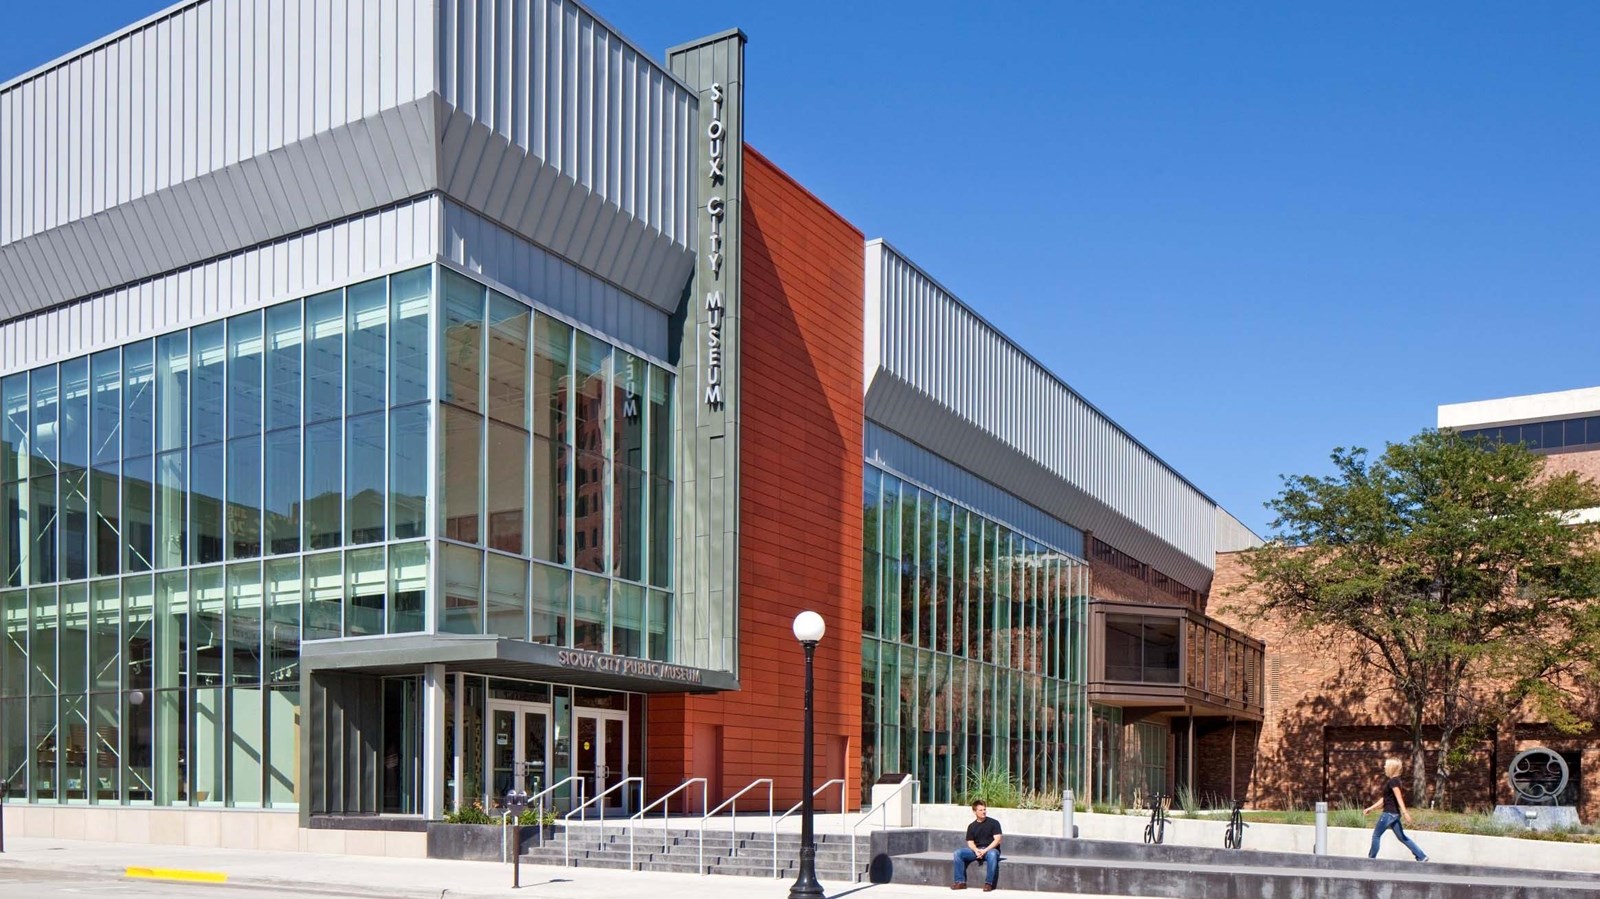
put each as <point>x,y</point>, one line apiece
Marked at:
<point>709,388</point>
<point>899,407</point>
<point>386,240</point>
<point>196,88</point>
<point>922,335</point>
<point>520,267</point>
<point>895,453</point>
<point>262,198</point>
<point>549,79</point>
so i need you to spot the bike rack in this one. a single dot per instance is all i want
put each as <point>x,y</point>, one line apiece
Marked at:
<point>566,849</point>
<point>916,793</point>
<point>733,841</point>
<point>666,830</point>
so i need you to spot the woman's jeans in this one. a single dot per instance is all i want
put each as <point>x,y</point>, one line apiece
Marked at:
<point>965,857</point>
<point>1389,820</point>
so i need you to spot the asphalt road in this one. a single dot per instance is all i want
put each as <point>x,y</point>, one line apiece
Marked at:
<point>25,883</point>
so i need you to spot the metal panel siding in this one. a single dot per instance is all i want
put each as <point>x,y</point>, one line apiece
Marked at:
<point>559,84</point>
<point>385,240</point>
<point>928,338</point>
<point>198,88</point>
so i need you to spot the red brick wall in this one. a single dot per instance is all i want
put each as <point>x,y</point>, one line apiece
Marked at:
<point>1312,687</point>
<point>800,506</point>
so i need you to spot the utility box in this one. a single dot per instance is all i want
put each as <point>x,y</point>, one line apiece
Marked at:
<point>898,811</point>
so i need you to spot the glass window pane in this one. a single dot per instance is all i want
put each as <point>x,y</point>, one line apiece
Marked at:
<point>244,498</point>
<point>363,482</point>
<point>408,472</point>
<point>661,497</point>
<point>461,474</point>
<point>551,604</point>
<point>244,733</point>
<point>105,540</point>
<point>594,408</point>
<point>408,587</point>
<point>282,746</point>
<point>207,358</point>
<point>242,652</point>
<point>551,366</point>
<point>280,489</point>
<point>137,513</point>
<point>42,520</point>
<point>171,533</point>
<point>590,602</point>
<point>507,595</point>
<point>509,324</point>
<point>461,355</point>
<point>43,420</point>
<point>138,634</point>
<point>324,363</point>
<point>281,628</point>
<point>628,413</point>
<point>244,375</point>
<point>367,307</point>
<point>366,586</point>
<point>284,362</point>
<point>74,416</point>
<point>507,501</point>
<point>138,416</point>
<point>627,620</point>
<point>628,530</point>
<point>462,609</point>
<point>589,511</point>
<point>410,294</point>
<point>324,489</point>
<point>324,595</point>
<point>205,502</point>
<point>550,494</point>
<point>14,433</point>
<point>660,423</point>
<point>105,423</point>
<point>73,639</point>
<point>659,641</point>
<point>172,391</point>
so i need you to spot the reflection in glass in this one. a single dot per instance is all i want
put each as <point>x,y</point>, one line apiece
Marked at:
<point>461,331</point>
<point>461,473</point>
<point>509,323</point>
<point>244,375</point>
<point>324,590</point>
<point>589,608</point>
<point>551,604</point>
<point>363,482</point>
<point>507,597</point>
<point>366,586</point>
<point>409,295</point>
<point>366,327</point>
<point>507,496</point>
<point>408,472</point>
<point>408,587</point>
<point>462,608</point>
<point>324,362</point>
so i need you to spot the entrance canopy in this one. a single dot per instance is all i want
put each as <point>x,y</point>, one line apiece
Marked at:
<point>501,657</point>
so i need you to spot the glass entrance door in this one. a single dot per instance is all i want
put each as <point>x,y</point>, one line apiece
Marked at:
<point>518,748</point>
<point>602,754</point>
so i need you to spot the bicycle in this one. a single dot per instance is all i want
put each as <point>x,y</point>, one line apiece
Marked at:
<point>1234,837</point>
<point>1156,830</point>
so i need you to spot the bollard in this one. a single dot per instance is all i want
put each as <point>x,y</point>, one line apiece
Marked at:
<point>1320,847</point>
<point>1067,829</point>
<point>5,788</point>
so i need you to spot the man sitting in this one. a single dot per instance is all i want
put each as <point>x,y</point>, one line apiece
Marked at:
<point>983,842</point>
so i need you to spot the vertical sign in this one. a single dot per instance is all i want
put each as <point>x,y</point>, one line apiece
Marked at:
<point>706,556</point>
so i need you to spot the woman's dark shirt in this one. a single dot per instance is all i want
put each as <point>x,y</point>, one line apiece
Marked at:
<point>1391,805</point>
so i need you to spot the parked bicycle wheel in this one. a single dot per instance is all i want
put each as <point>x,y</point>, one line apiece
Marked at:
<point>1149,833</point>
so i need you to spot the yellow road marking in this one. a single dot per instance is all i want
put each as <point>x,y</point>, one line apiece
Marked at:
<point>177,874</point>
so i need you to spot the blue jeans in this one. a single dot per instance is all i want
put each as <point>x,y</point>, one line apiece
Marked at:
<point>1387,821</point>
<point>965,857</point>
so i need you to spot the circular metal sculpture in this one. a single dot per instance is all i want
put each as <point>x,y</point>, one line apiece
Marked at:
<point>1538,776</point>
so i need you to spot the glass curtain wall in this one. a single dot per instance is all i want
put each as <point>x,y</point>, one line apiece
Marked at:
<point>555,477</point>
<point>974,647</point>
<point>178,515</point>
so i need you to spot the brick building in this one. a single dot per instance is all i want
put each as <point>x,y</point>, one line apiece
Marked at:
<point>1328,723</point>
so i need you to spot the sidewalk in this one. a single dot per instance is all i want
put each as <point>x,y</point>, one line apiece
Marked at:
<point>412,879</point>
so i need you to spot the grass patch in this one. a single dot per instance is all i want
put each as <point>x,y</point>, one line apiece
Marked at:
<point>1428,820</point>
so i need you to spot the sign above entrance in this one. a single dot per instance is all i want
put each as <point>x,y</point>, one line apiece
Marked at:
<point>579,660</point>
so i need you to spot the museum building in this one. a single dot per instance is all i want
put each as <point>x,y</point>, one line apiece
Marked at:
<point>402,403</point>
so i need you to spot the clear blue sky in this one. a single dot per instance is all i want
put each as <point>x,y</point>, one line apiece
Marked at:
<point>1248,232</point>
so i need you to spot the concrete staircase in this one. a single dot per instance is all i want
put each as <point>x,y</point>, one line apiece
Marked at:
<point>1051,864</point>
<point>746,853</point>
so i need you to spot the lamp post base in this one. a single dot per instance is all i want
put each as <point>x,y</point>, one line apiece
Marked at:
<point>806,885</point>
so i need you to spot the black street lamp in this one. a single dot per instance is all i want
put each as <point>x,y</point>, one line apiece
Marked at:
<point>808,629</point>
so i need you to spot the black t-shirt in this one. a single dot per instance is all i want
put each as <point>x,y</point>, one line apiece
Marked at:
<point>1391,805</point>
<point>982,833</point>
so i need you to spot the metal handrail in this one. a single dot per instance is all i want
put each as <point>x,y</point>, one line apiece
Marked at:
<point>582,791</point>
<point>884,805</point>
<point>733,841</point>
<point>566,848</point>
<point>666,830</point>
<point>836,782</point>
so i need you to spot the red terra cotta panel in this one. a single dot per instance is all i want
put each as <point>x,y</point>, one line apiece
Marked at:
<point>800,510</point>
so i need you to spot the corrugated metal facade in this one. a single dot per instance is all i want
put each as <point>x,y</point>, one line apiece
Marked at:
<point>220,125</point>
<point>352,250</point>
<point>926,347</point>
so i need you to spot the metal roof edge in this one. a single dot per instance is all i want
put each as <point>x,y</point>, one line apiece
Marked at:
<point>86,49</point>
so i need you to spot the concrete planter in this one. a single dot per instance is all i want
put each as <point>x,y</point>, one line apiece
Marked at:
<point>478,842</point>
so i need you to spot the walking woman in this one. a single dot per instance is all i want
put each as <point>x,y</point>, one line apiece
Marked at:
<point>1393,803</point>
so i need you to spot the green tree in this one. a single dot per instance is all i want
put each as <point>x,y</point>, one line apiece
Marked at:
<point>1454,568</point>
